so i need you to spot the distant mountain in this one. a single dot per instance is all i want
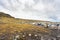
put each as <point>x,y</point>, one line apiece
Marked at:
<point>2,14</point>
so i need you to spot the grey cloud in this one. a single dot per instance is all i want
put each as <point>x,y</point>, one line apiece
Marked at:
<point>49,11</point>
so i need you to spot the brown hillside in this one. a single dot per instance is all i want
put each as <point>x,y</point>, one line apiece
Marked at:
<point>10,27</point>
<point>2,14</point>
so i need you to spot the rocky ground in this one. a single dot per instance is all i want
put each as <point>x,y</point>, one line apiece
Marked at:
<point>20,29</point>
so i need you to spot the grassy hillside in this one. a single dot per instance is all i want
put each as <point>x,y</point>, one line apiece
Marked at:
<point>10,26</point>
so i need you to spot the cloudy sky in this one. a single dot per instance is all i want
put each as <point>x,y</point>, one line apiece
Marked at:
<point>48,10</point>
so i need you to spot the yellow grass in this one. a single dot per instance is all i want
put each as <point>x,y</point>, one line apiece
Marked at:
<point>11,25</point>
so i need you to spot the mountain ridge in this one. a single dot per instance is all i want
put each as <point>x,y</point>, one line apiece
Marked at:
<point>2,14</point>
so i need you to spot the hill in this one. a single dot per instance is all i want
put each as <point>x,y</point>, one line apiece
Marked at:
<point>2,14</point>
<point>10,27</point>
